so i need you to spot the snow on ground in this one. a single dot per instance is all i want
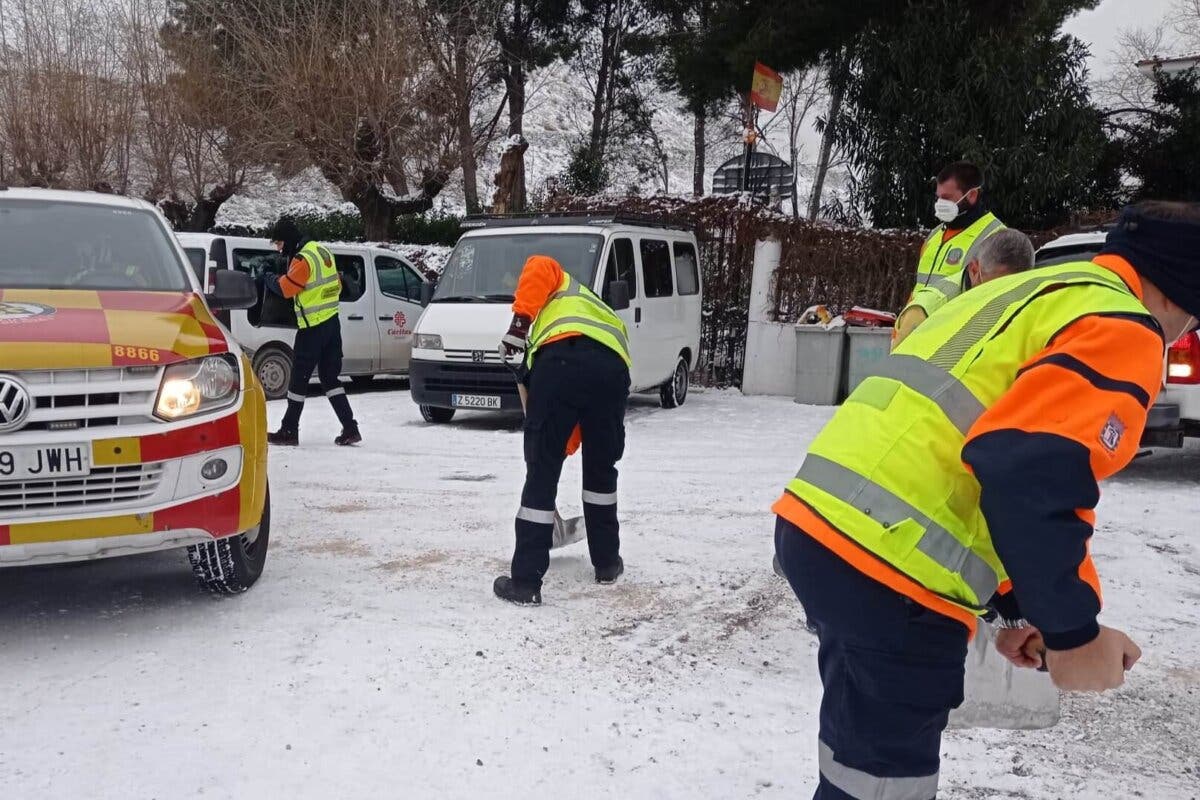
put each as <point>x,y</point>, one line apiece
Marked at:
<point>373,661</point>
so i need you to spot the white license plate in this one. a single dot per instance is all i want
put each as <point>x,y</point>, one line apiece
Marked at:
<point>43,462</point>
<point>475,400</point>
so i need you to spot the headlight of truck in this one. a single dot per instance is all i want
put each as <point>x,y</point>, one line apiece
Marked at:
<point>197,387</point>
<point>427,341</point>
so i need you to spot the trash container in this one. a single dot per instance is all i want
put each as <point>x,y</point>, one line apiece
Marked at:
<point>867,347</point>
<point>820,361</point>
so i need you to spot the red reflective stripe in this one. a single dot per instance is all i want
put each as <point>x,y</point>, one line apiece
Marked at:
<point>220,515</point>
<point>5,536</point>
<point>213,435</point>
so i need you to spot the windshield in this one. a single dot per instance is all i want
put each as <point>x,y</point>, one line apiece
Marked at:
<point>64,245</point>
<point>486,268</point>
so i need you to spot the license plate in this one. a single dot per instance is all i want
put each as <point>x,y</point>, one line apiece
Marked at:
<point>475,400</point>
<point>43,462</point>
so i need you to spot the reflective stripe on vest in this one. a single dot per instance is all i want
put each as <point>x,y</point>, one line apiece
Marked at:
<point>939,291</point>
<point>932,262</point>
<point>865,786</point>
<point>888,509</point>
<point>319,299</point>
<point>887,470</point>
<point>573,308</point>
<point>946,391</point>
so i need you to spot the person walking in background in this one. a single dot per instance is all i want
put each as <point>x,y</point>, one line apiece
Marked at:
<point>313,285</point>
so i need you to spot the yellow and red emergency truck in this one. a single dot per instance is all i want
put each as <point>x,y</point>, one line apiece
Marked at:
<point>130,421</point>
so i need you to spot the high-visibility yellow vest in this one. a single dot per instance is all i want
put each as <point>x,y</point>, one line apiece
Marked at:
<point>941,259</point>
<point>937,293</point>
<point>576,309</point>
<point>887,470</point>
<point>318,301</point>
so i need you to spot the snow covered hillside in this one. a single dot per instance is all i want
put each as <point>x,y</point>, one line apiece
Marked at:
<point>372,660</point>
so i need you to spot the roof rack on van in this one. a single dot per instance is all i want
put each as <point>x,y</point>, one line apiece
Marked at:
<point>571,218</point>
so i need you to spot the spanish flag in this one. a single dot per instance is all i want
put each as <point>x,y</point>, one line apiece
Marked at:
<point>766,88</point>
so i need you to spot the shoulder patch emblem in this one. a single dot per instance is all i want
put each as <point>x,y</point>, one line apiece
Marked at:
<point>954,256</point>
<point>1111,433</point>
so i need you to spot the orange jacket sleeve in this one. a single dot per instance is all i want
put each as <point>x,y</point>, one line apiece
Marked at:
<point>1073,417</point>
<point>540,278</point>
<point>296,279</point>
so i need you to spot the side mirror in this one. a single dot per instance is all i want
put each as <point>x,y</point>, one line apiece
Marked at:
<point>231,290</point>
<point>618,295</point>
<point>426,293</point>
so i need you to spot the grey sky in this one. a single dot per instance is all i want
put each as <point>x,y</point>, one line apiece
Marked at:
<point>1099,27</point>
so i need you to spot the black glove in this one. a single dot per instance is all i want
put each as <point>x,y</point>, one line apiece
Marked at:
<point>513,342</point>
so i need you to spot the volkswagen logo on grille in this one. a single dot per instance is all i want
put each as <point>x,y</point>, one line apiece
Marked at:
<point>15,404</point>
<point>478,356</point>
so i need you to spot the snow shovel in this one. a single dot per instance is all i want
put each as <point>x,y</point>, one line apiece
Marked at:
<point>566,531</point>
<point>999,694</point>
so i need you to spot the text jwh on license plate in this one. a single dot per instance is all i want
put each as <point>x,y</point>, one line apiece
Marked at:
<point>475,401</point>
<point>41,462</point>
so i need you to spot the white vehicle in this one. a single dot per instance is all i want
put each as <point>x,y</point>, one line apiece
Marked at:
<point>380,304</point>
<point>647,271</point>
<point>1177,412</point>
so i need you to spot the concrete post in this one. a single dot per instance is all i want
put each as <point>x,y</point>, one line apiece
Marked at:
<point>770,346</point>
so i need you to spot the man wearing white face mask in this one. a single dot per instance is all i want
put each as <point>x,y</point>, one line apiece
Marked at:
<point>965,224</point>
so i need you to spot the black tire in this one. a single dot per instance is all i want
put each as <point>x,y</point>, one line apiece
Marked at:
<point>673,393</point>
<point>273,366</point>
<point>233,564</point>
<point>437,416</point>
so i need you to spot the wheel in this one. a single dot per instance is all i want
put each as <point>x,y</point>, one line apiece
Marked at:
<point>361,381</point>
<point>233,564</point>
<point>437,416</point>
<point>672,393</point>
<point>273,366</point>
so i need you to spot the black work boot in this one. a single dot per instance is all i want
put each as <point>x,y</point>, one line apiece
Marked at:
<point>284,438</point>
<point>610,573</point>
<point>348,436</point>
<point>522,594</point>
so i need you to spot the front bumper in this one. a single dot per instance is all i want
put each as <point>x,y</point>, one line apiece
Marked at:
<point>1163,427</point>
<point>172,506</point>
<point>432,383</point>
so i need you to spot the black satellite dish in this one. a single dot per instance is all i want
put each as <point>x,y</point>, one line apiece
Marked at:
<point>770,176</point>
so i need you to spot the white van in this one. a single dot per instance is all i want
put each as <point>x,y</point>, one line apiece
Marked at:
<point>648,271</point>
<point>380,304</point>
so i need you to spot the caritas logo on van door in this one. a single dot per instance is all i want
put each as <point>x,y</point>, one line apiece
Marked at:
<point>399,325</point>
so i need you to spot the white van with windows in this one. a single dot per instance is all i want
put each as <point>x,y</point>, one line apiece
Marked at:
<point>380,305</point>
<point>648,271</point>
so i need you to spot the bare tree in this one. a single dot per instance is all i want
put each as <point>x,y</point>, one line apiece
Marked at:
<point>838,76</point>
<point>802,92</point>
<point>345,86</point>
<point>458,35</point>
<point>192,139</point>
<point>68,110</point>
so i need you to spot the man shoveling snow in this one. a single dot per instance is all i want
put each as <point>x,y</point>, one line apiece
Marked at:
<point>963,473</point>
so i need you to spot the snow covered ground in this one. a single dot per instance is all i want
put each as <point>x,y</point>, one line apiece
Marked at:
<point>373,661</point>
